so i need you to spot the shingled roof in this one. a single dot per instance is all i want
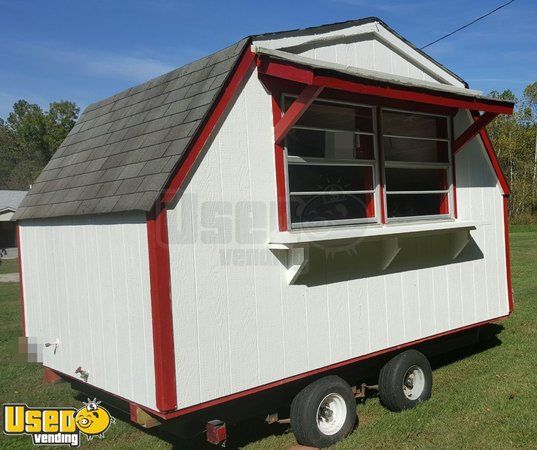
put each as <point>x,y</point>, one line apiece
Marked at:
<point>122,151</point>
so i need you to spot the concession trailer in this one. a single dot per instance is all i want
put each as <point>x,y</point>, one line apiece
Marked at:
<point>271,230</point>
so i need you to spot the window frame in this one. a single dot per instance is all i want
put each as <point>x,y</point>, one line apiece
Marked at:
<point>448,166</point>
<point>378,167</point>
<point>372,163</point>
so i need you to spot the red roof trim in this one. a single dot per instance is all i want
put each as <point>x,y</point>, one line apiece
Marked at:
<point>243,68</point>
<point>308,75</point>
<point>493,158</point>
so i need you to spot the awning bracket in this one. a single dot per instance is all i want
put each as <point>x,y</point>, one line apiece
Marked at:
<point>473,130</point>
<point>295,111</point>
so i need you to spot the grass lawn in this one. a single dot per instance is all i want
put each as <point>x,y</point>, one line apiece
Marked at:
<point>9,265</point>
<point>486,399</point>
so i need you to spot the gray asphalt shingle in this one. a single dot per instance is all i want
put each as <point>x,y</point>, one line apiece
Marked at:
<point>123,149</point>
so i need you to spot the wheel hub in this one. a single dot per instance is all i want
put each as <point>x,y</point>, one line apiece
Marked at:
<point>331,414</point>
<point>326,413</point>
<point>414,382</point>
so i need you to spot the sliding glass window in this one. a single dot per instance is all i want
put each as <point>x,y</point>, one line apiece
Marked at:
<point>417,165</point>
<point>331,165</point>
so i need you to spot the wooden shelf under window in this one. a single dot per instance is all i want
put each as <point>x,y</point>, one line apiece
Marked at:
<point>292,247</point>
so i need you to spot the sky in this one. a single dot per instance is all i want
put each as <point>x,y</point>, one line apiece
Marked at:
<point>85,51</point>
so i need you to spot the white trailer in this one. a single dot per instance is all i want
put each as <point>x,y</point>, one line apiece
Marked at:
<point>262,219</point>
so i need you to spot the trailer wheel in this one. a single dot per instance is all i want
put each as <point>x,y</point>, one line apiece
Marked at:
<point>405,381</point>
<point>323,413</point>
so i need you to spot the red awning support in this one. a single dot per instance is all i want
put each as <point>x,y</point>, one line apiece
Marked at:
<point>293,114</point>
<point>301,73</point>
<point>473,130</point>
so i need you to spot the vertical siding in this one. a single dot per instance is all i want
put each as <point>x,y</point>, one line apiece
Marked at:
<point>239,324</point>
<point>86,283</point>
<point>371,54</point>
<point>480,197</point>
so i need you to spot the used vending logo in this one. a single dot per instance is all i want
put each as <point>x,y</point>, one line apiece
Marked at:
<point>57,426</point>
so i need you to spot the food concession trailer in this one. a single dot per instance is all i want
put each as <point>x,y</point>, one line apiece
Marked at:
<point>264,220</point>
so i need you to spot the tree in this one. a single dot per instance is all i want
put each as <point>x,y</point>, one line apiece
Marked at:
<point>43,131</point>
<point>529,106</point>
<point>28,139</point>
<point>515,140</point>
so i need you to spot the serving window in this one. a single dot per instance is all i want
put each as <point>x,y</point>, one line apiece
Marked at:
<point>333,166</point>
<point>417,165</point>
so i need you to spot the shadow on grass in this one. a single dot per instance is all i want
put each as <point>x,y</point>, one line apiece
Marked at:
<point>488,338</point>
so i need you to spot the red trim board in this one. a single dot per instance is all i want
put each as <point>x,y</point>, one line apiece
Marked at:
<point>227,398</point>
<point>21,285</point>
<point>279,161</point>
<point>166,393</point>
<point>495,163</point>
<point>252,391</point>
<point>245,65</point>
<point>50,376</point>
<point>161,310</point>
<point>308,75</point>
<point>277,86</point>
<point>480,121</point>
<point>295,111</point>
<point>508,253</point>
<point>453,168</point>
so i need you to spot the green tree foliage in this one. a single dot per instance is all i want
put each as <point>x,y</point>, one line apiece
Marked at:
<point>515,141</point>
<point>28,139</point>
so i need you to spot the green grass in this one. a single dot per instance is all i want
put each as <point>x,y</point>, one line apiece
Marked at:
<point>486,399</point>
<point>9,266</point>
<point>522,228</point>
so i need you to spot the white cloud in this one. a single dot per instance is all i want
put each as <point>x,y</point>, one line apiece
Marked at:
<point>126,67</point>
<point>382,6</point>
<point>133,66</point>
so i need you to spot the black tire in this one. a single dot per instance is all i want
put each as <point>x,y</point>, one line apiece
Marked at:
<point>305,409</point>
<point>395,390</point>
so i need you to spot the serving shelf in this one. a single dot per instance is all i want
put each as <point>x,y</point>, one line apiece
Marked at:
<point>292,247</point>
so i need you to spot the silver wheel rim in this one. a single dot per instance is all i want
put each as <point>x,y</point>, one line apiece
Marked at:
<point>331,414</point>
<point>414,383</point>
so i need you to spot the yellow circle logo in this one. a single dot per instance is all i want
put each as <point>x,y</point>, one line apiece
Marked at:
<point>92,419</point>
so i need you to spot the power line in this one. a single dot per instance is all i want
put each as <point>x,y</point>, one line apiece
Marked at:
<point>468,24</point>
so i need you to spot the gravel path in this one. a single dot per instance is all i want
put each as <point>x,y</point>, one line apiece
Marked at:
<point>9,278</point>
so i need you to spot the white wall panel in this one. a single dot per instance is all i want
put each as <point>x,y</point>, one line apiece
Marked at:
<point>319,325</point>
<point>237,321</point>
<point>374,46</point>
<point>366,53</point>
<point>86,283</point>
